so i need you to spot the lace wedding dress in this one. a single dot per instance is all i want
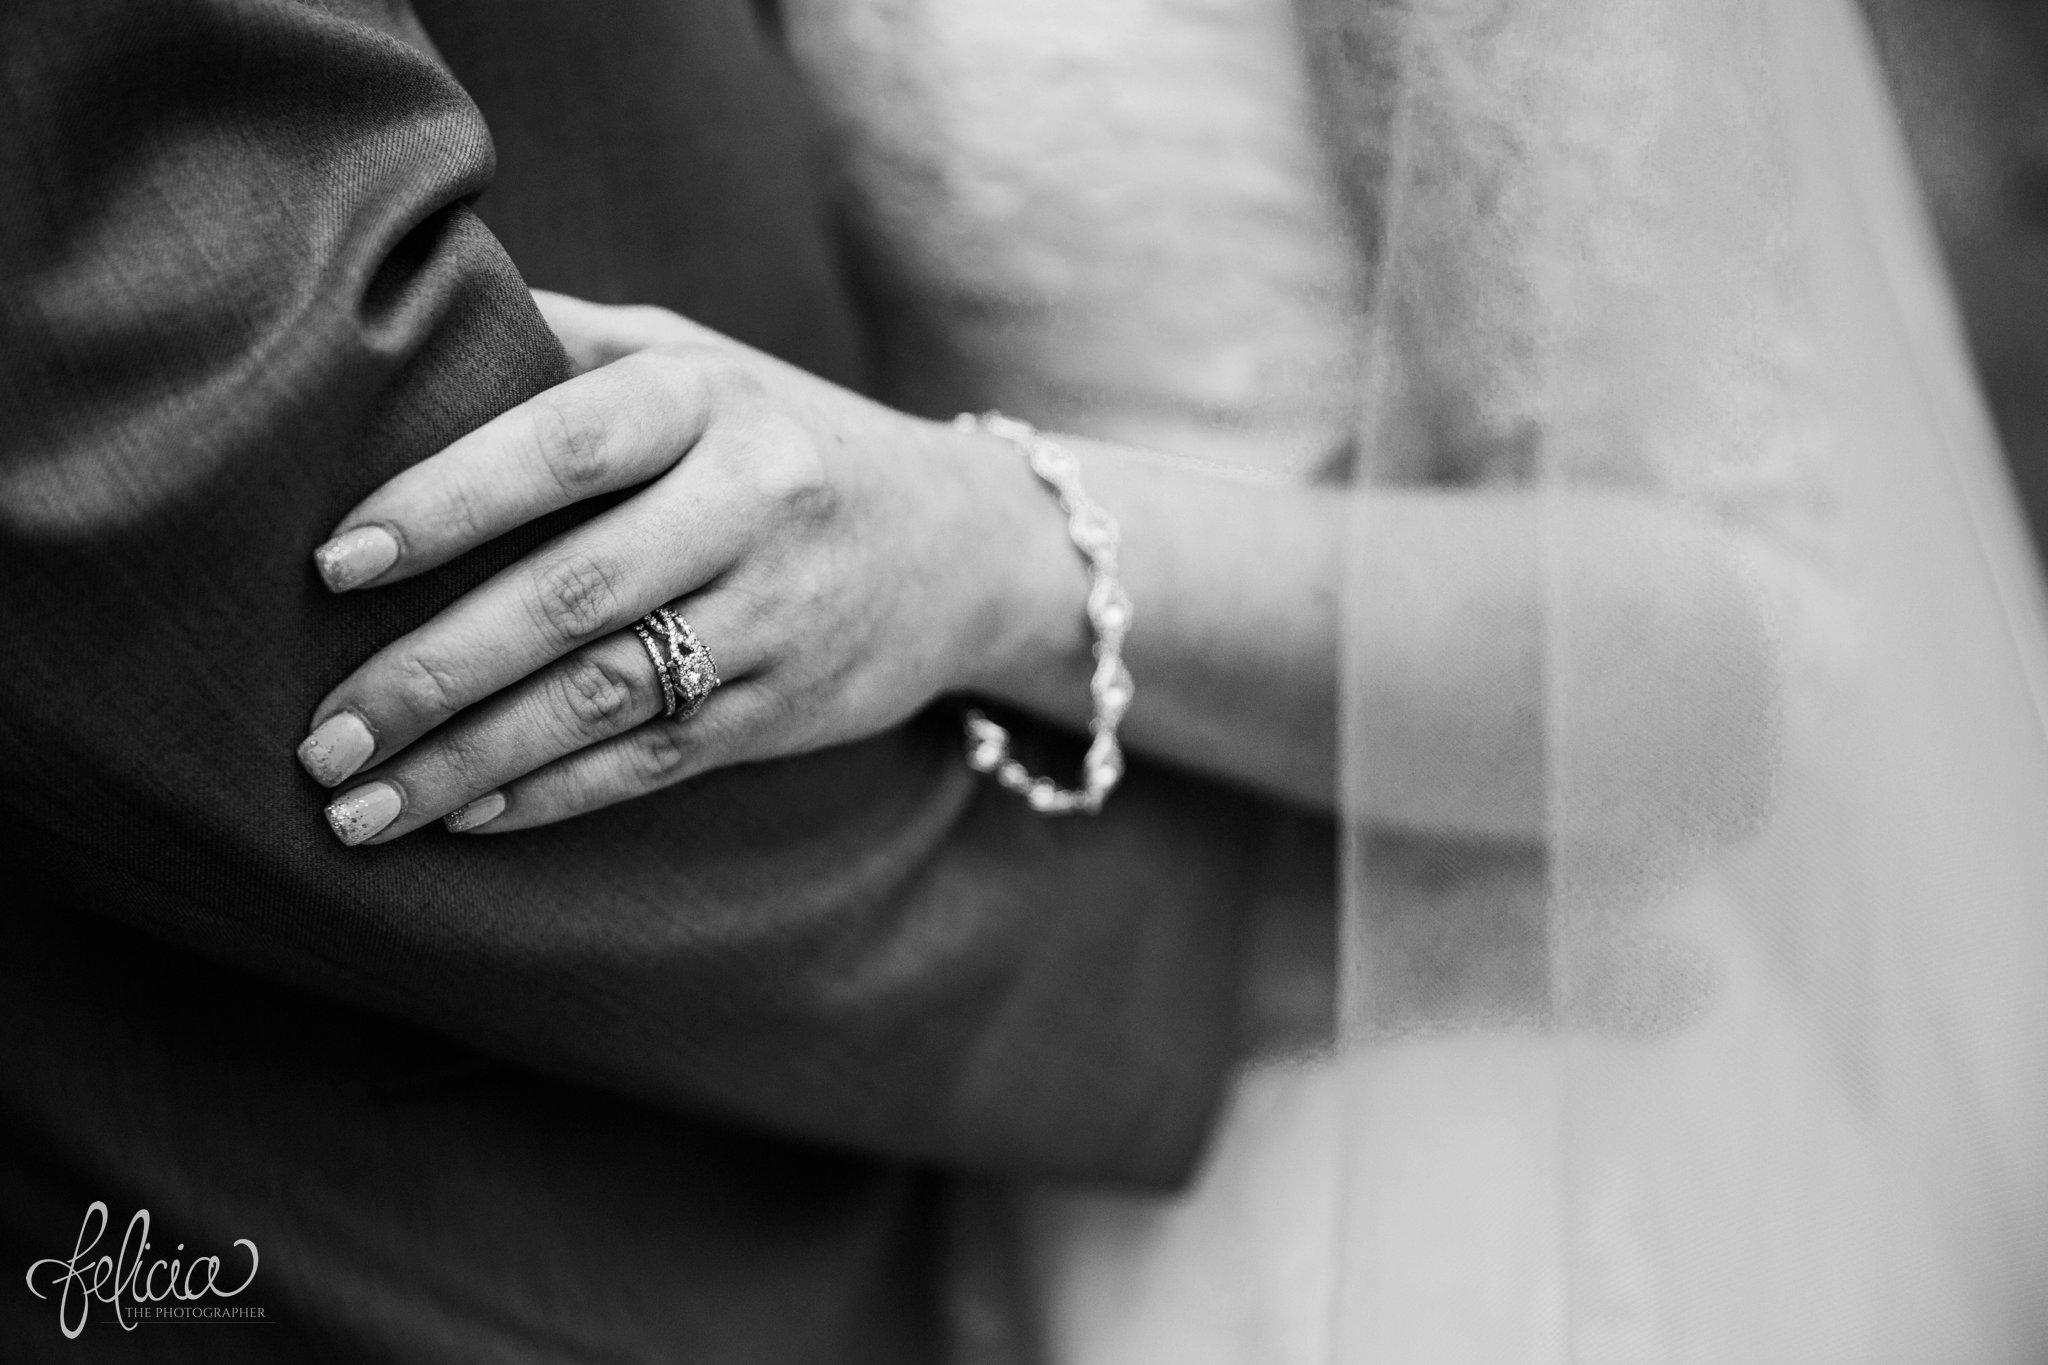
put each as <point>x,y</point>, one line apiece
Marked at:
<point>1757,1075</point>
<point>1105,216</point>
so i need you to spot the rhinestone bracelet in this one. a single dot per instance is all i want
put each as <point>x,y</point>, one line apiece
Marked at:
<point>1094,534</point>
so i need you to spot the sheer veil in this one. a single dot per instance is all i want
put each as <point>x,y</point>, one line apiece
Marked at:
<point>1744,1055</point>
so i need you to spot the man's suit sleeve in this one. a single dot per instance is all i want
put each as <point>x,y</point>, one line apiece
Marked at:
<point>240,287</point>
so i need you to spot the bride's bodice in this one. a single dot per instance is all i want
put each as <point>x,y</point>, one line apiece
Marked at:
<point>1731,1095</point>
<point>1107,216</point>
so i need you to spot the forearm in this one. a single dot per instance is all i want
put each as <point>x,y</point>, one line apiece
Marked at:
<point>1452,605</point>
<point>1554,666</point>
<point>1235,637</point>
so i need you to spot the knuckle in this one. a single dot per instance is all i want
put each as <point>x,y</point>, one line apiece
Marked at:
<point>455,516</point>
<point>572,441</point>
<point>597,697</point>
<point>455,759</point>
<point>810,589</point>
<point>575,596</point>
<point>786,470</point>
<point>659,755</point>
<point>780,720</point>
<point>427,688</point>
<point>693,378</point>
<point>729,384</point>
<point>657,324</point>
<point>779,710</point>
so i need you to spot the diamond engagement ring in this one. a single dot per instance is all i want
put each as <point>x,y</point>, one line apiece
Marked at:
<point>681,661</point>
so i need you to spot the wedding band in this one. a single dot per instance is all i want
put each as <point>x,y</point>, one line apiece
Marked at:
<point>668,687</point>
<point>687,671</point>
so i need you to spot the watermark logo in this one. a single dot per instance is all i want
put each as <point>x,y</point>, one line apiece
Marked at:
<point>135,1287</point>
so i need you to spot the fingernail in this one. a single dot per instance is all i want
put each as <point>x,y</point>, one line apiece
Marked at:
<point>355,557</point>
<point>363,812</point>
<point>481,811</point>
<point>337,747</point>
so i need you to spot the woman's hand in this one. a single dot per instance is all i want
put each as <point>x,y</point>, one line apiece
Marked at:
<point>844,563</point>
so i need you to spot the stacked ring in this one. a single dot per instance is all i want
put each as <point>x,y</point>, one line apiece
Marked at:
<point>686,669</point>
<point>668,686</point>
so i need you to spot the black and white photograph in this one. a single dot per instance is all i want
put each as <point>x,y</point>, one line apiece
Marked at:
<point>1023,682</point>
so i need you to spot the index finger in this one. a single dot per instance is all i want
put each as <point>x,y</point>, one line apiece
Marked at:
<point>600,432</point>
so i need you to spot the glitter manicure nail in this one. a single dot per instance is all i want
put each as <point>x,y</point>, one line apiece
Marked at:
<point>364,812</point>
<point>355,557</point>
<point>338,746</point>
<point>477,813</point>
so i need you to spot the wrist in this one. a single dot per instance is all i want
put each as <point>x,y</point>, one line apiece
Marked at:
<point>1032,641</point>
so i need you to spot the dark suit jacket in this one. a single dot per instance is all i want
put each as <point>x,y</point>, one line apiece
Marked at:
<point>667,1082</point>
